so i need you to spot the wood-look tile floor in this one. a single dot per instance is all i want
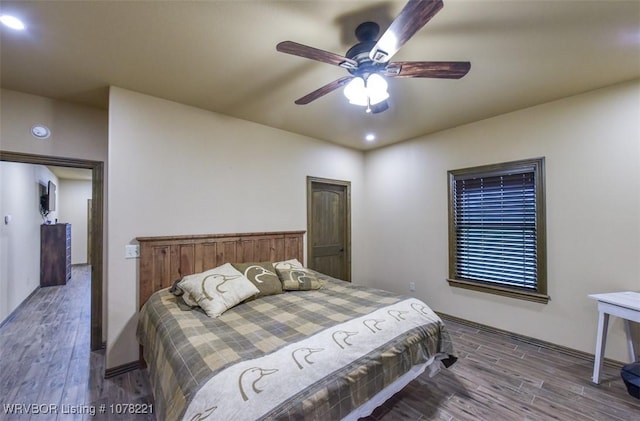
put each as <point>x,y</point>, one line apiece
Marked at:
<point>46,364</point>
<point>45,360</point>
<point>500,378</point>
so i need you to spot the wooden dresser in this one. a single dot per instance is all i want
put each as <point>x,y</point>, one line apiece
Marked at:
<point>55,254</point>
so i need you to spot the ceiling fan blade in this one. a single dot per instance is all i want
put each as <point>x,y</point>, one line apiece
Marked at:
<point>414,15</point>
<point>305,51</point>
<point>435,69</point>
<point>329,87</point>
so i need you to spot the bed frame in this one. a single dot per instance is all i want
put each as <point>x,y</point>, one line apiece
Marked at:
<point>163,260</point>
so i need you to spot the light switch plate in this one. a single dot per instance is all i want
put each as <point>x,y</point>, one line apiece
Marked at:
<point>131,251</point>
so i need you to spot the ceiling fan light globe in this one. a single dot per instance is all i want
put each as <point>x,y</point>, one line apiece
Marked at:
<point>377,89</point>
<point>356,92</point>
<point>375,82</point>
<point>359,103</point>
<point>378,97</point>
<point>12,22</point>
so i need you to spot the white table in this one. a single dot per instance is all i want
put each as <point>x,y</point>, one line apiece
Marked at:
<point>621,304</point>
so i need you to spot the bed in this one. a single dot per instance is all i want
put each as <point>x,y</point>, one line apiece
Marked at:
<point>331,353</point>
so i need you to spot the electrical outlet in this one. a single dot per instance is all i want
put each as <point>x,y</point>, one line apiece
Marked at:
<point>131,251</point>
<point>412,286</point>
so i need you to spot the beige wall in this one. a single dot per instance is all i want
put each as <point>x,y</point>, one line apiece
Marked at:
<point>76,131</point>
<point>20,238</point>
<point>72,197</point>
<point>175,169</point>
<point>592,147</point>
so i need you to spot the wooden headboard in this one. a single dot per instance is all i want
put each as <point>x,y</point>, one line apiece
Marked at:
<point>164,260</point>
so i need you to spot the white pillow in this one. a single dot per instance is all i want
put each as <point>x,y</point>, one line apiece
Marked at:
<point>218,289</point>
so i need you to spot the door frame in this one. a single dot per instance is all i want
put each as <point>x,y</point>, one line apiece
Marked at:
<point>97,196</point>
<point>347,184</point>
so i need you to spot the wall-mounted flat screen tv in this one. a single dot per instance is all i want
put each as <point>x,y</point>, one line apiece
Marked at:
<point>48,199</point>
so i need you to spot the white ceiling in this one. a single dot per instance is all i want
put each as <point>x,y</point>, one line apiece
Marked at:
<point>69,173</point>
<point>221,56</point>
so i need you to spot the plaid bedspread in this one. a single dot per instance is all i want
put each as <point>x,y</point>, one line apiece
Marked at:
<point>184,349</point>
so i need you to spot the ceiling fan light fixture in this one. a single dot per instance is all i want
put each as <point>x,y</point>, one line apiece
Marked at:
<point>376,89</point>
<point>366,93</point>
<point>378,108</point>
<point>369,59</point>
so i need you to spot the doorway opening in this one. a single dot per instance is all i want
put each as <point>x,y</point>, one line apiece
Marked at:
<point>96,245</point>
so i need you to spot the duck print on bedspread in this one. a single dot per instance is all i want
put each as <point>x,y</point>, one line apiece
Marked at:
<point>263,386</point>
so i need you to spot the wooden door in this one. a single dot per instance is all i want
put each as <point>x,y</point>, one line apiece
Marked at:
<point>329,227</point>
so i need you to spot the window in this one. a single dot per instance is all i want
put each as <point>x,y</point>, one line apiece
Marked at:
<point>497,229</point>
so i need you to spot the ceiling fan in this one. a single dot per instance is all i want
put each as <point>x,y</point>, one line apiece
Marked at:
<point>368,61</point>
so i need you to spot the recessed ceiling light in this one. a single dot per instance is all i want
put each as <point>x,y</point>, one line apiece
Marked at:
<point>370,137</point>
<point>12,22</point>
<point>40,131</point>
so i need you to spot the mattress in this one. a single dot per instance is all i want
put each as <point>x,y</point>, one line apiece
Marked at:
<point>307,355</point>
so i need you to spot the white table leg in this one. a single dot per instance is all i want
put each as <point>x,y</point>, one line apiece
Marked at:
<point>601,343</point>
<point>630,341</point>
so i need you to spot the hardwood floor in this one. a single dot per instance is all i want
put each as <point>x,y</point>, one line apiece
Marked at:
<point>45,360</point>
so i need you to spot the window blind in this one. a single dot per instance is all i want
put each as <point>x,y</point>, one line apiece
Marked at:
<point>495,225</point>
